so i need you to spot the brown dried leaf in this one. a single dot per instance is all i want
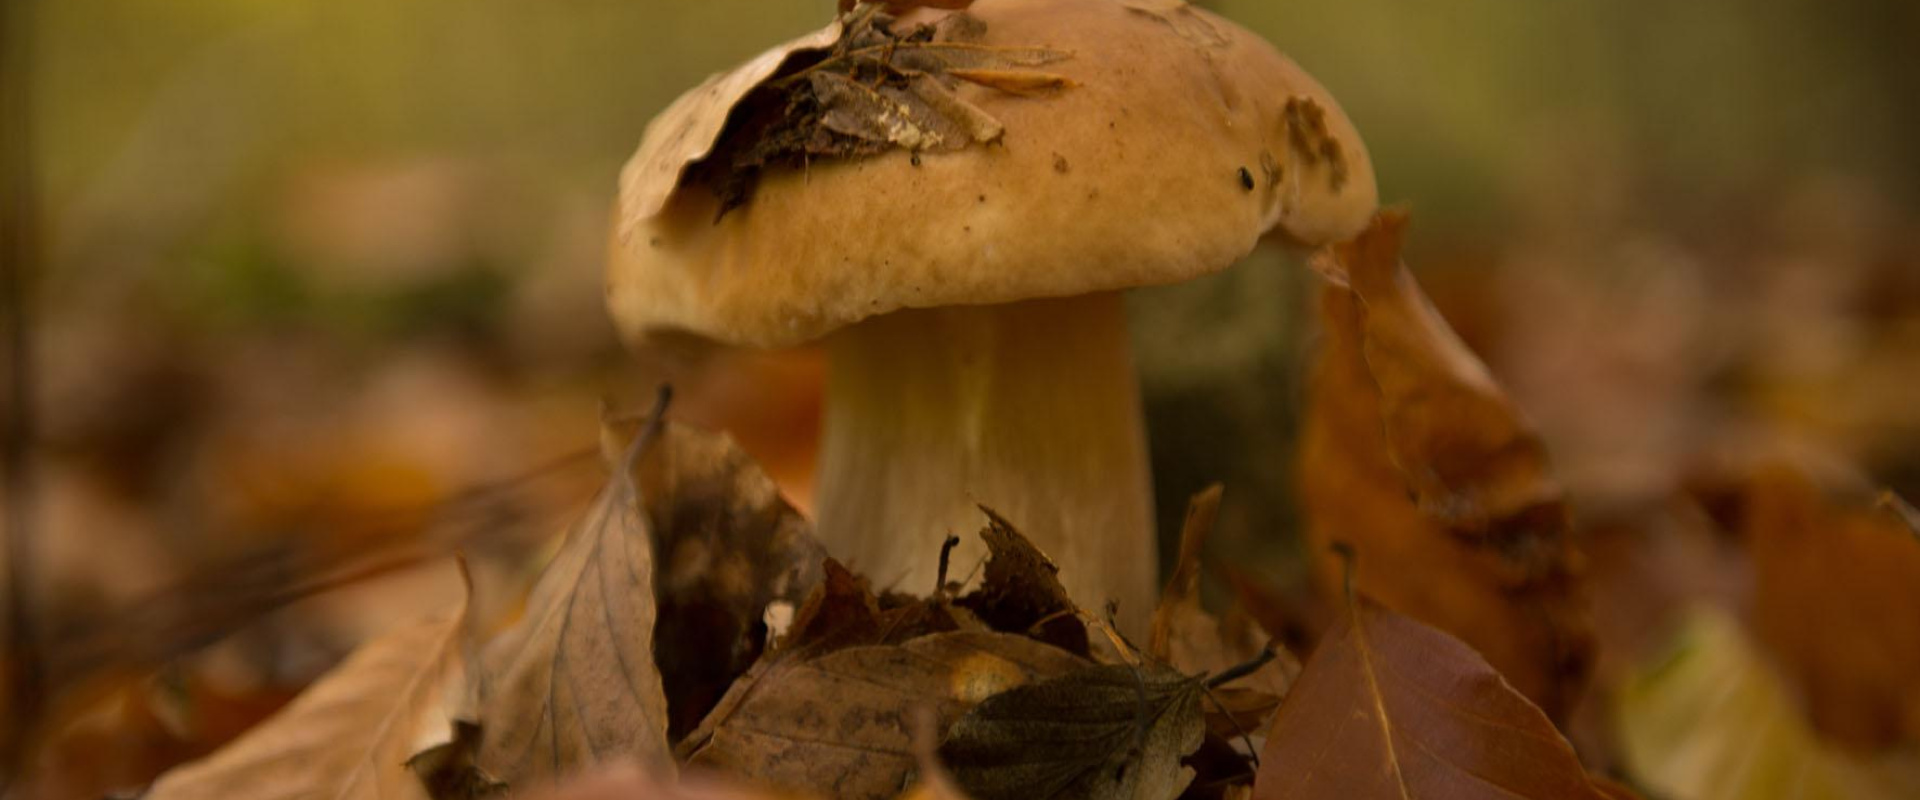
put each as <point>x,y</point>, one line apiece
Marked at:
<point>1836,600</point>
<point>932,781</point>
<point>897,653</point>
<point>1021,591</point>
<point>839,724</point>
<point>1026,84</point>
<point>1183,635</point>
<point>898,7</point>
<point>574,682</point>
<point>1112,732</point>
<point>922,115</point>
<point>350,734</point>
<point>686,132</point>
<point>728,547</point>
<point>1233,712</point>
<point>1390,708</point>
<point>626,780</point>
<point>875,89</point>
<point>1414,458</point>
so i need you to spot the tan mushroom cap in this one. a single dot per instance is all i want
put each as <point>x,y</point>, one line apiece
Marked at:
<point>1185,140</point>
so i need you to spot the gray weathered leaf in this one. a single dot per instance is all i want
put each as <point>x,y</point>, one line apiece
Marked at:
<point>574,683</point>
<point>877,89</point>
<point>841,725</point>
<point>728,546</point>
<point>1110,732</point>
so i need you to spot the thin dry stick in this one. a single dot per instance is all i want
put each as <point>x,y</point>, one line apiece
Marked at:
<point>1235,673</point>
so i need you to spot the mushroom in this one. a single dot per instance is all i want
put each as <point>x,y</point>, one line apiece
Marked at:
<point>969,296</point>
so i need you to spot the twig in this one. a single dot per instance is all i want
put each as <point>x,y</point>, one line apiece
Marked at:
<point>1239,671</point>
<point>1253,753</point>
<point>946,554</point>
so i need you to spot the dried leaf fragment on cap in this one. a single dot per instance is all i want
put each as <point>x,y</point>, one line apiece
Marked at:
<point>855,88</point>
<point>874,89</point>
<point>1112,732</point>
<point>1414,457</point>
<point>1390,708</point>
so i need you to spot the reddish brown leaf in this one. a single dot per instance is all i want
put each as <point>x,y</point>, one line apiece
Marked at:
<point>1414,458</point>
<point>1390,708</point>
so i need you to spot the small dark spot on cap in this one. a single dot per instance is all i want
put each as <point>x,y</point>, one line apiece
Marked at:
<point>653,242</point>
<point>915,160</point>
<point>983,198</point>
<point>1246,179</point>
<point>1060,164</point>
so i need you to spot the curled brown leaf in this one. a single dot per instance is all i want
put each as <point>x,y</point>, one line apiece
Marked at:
<point>1415,459</point>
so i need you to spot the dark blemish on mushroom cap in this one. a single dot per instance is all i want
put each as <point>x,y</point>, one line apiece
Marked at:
<point>1246,179</point>
<point>983,198</point>
<point>1060,164</point>
<point>915,160</point>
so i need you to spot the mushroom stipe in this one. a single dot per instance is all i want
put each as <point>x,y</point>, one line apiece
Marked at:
<point>978,350</point>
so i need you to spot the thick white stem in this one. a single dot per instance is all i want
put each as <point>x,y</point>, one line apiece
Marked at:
<point>1031,409</point>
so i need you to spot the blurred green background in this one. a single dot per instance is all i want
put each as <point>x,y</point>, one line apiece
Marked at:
<point>277,223</point>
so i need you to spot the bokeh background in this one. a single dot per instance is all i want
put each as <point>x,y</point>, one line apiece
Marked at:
<point>314,268</point>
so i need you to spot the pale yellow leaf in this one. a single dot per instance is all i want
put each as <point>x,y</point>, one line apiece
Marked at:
<point>1710,720</point>
<point>349,735</point>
